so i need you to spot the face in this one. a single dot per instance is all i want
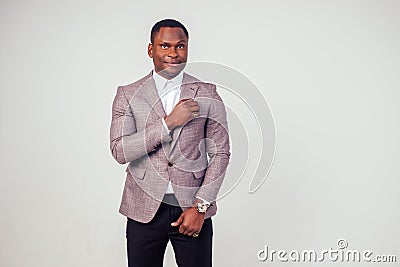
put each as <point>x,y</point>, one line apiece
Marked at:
<point>169,51</point>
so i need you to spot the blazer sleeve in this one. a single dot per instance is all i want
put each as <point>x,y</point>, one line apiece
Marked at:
<point>126,143</point>
<point>217,147</point>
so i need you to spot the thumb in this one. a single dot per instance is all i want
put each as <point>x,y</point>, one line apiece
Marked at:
<point>178,222</point>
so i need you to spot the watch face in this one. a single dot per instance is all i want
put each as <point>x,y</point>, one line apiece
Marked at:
<point>201,207</point>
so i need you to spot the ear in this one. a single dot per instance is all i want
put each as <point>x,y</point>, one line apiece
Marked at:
<point>150,50</point>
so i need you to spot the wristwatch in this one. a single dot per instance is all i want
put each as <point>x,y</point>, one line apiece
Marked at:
<point>202,206</point>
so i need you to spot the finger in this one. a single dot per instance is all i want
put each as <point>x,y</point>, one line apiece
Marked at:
<point>197,232</point>
<point>187,105</point>
<point>178,222</point>
<point>192,103</point>
<point>182,229</point>
<point>195,235</point>
<point>194,109</point>
<point>183,101</point>
<point>187,232</point>
<point>191,233</point>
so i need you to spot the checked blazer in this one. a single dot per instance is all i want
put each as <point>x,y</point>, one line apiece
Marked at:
<point>194,157</point>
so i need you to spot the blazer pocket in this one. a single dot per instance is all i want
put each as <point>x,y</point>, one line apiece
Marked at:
<point>137,172</point>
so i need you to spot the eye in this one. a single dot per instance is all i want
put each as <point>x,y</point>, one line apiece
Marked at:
<point>164,46</point>
<point>181,46</point>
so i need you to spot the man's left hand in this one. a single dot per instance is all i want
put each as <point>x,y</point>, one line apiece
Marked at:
<point>190,221</point>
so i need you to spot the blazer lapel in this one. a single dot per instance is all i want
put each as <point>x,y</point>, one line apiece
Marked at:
<point>189,87</point>
<point>151,95</point>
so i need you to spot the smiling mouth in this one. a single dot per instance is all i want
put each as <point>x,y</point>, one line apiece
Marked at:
<point>172,64</point>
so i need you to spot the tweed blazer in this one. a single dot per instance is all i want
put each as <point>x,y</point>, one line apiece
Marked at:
<point>194,157</point>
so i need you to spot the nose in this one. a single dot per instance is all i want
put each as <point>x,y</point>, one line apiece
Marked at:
<point>172,53</point>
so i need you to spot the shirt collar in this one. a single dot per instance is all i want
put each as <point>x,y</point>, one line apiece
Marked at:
<point>160,81</point>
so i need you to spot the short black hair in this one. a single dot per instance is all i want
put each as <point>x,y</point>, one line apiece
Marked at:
<point>167,23</point>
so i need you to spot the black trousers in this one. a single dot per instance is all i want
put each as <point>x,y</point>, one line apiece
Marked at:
<point>146,242</point>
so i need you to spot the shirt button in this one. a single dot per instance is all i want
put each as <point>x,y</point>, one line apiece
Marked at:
<point>170,164</point>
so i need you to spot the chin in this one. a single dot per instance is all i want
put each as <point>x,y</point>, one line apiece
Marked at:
<point>172,71</point>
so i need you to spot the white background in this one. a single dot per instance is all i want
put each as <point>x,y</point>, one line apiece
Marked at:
<point>329,70</point>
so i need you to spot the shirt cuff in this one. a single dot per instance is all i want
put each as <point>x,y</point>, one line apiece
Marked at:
<point>165,125</point>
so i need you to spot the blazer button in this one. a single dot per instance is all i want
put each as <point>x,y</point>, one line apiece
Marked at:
<point>170,164</point>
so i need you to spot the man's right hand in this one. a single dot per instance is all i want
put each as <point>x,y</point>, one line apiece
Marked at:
<point>182,113</point>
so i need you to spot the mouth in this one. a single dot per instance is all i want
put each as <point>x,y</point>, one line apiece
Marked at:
<point>172,64</point>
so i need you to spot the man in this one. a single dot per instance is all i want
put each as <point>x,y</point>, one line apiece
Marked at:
<point>171,128</point>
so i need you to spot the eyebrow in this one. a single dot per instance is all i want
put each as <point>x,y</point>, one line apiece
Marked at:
<point>165,42</point>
